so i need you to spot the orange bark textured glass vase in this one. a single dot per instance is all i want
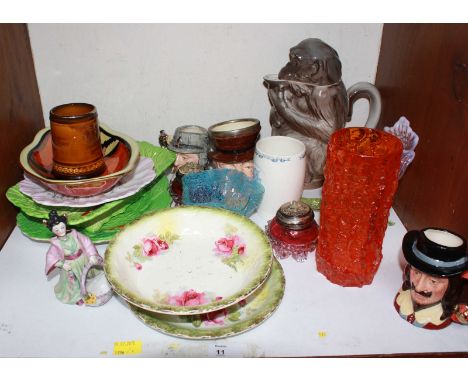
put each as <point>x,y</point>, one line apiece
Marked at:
<point>361,177</point>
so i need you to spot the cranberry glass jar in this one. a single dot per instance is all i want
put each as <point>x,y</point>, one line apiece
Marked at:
<point>175,188</point>
<point>293,231</point>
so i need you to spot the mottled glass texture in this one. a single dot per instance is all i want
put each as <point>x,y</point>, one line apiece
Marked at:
<point>361,177</point>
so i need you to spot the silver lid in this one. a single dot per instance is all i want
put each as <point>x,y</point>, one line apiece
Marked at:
<point>295,215</point>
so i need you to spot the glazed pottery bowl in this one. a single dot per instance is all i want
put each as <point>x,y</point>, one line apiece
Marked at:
<point>121,155</point>
<point>235,136</point>
<point>188,260</point>
<point>100,223</point>
<point>129,185</point>
<point>223,188</point>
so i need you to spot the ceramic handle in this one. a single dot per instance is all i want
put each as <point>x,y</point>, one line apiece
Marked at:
<point>84,276</point>
<point>371,93</point>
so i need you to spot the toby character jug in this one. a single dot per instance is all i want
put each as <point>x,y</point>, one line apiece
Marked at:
<point>309,102</point>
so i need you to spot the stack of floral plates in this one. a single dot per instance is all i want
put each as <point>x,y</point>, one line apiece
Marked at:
<point>195,272</point>
<point>135,172</point>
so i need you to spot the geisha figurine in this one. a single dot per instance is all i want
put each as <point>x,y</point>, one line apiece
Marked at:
<point>76,257</point>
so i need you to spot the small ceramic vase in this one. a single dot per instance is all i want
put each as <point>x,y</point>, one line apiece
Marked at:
<point>279,164</point>
<point>437,260</point>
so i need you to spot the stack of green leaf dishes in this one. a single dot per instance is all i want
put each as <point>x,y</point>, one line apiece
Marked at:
<point>99,222</point>
<point>195,272</point>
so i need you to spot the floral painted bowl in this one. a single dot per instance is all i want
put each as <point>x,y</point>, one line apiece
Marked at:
<point>222,188</point>
<point>188,260</point>
<point>233,320</point>
<point>121,155</point>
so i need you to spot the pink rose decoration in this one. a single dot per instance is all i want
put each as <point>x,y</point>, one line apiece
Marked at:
<point>138,266</point>
<point>226,245</point>
<point>214,318</point>
<point>242,302</point>
<point>162,244</point>
<point>152,245</point>
<point>188,298</point>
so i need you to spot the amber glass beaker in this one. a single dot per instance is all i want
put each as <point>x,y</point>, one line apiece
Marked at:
<point>76,143</point>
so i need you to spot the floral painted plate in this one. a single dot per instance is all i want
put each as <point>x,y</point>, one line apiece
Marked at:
<point>236,319</point>
<point>188,260</point>
<point>129,185</point>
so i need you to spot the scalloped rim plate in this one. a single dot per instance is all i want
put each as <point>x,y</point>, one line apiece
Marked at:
<point>129,185</point>
<point>188,260</point>
<point>235,320</point>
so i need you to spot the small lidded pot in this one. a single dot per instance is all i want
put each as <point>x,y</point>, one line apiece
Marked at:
<point>175,189</point>
<point>293,231</point>
<point>234,144</point>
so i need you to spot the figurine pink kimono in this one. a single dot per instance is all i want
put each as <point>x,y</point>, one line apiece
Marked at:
<point>433,279</point>
<point>74,255</point>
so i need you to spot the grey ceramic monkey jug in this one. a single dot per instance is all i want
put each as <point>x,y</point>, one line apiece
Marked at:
<point>309,102</point>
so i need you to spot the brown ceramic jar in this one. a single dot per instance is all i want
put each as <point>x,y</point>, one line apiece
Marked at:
<point>234,141</point>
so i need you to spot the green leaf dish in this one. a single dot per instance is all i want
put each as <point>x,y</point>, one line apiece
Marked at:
<point>75,215</point>
<point>231,321</point>
<point>150,199</point>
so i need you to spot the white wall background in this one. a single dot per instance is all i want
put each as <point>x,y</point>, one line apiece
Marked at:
<point>146,77</point>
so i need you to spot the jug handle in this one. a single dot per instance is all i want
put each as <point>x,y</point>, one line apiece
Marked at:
<point>84,276</point>
<point>371,93</point>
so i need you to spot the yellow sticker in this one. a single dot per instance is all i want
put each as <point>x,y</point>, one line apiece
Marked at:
<point>127,347</point>
<point>322,334</point>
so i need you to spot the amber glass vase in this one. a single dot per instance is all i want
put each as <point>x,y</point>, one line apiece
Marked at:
<point>361,177</point>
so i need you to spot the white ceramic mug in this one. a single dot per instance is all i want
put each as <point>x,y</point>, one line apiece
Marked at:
<point>279,164</point>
